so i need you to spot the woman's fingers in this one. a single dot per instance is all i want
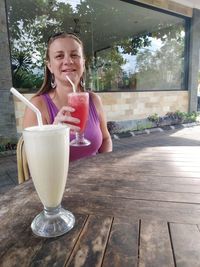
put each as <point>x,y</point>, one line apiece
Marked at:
<point>64,116</point>
<point>73,128</point>
<point>67,119</point>
<point>66,110</point>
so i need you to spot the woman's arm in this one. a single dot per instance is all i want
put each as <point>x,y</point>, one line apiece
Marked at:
<point>106,145</point>
<point>30,118</point>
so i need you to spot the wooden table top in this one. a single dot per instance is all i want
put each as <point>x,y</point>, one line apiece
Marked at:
<point>139,206</point>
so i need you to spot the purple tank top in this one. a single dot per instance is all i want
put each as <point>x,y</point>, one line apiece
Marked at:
<point>92,130</point>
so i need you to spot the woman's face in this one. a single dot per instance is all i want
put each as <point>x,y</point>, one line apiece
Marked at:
<point>66,58</point>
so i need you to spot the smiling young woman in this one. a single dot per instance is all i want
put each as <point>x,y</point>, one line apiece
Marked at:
<point>65,56</point>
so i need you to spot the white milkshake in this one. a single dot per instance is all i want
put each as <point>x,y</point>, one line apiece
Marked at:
<point>47,150</point>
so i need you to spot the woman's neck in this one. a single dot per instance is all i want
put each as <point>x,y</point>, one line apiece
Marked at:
<point>60,95</point>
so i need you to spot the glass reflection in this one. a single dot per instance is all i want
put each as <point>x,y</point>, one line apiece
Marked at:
<point>128,47</point>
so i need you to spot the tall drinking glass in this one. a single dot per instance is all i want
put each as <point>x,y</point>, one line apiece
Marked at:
<point>80,102</point>
<point>47,150</point>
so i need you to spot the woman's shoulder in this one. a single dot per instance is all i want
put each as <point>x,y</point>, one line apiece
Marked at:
<point>38,101</point>
<point>95,98</point>
<point>97,103</point>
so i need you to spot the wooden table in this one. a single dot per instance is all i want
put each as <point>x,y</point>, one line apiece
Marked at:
<point>139,206</point>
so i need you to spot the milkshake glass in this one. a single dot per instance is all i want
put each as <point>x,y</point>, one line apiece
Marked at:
<point>47,150</point>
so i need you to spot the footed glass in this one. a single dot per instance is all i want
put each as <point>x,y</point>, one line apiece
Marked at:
<point>80,102</point>
<point>52,222</point>
<point>47,150</point>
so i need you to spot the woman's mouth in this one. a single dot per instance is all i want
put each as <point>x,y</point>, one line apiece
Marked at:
<point>69,71</point>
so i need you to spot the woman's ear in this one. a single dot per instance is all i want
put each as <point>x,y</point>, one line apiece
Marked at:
<point>84,62</point>
<point>48,66</point>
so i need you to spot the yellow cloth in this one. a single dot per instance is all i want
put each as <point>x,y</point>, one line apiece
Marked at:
<point>22,164</point>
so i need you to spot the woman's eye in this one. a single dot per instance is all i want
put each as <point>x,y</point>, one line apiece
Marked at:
<point>74,55</point>
<point>59,56</point>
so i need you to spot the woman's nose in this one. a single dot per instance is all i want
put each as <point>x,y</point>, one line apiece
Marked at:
<point>68,59</point>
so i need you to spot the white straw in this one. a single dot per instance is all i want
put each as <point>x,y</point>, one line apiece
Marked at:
<point>29,104</point>
<point>73,85</point>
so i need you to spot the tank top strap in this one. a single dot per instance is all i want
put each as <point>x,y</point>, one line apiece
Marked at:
<point>92,109</point>
<point>52,109</point>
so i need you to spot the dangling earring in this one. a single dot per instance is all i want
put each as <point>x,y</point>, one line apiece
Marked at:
<point>53,83</point>
<point>82,83</point>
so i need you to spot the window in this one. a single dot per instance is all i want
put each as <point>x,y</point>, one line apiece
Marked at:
<point>128,47</point>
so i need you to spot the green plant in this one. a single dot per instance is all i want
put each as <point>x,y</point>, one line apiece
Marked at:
<point>7,144</point>
<point>176,117</point>
<point>154,118</point>
<point>113,127</point>
<point>140,126</point>
<point>191,117</point>
<point>148,126</point>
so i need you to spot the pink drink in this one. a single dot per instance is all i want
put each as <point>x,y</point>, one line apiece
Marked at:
<point>80,102</point>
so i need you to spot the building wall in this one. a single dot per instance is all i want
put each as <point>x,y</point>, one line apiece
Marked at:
<point>194,61</point>
<point>118,106</point>
<point>7,116</point>
<point>128,106</point>
<point>139,105</point>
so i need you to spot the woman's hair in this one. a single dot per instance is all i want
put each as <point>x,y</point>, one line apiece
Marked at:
<point>46,86</point>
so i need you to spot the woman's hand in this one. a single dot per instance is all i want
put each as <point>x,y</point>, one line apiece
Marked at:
<point>64,116</point>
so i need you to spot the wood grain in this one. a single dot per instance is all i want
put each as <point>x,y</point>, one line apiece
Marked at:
<point>91,245</point>
<point>155,246</point>
<point>28,249</point>
<point>186,244</point>
<point>122,247</point>
<point>138,206</point>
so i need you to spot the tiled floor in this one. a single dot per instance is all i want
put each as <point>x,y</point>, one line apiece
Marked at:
<point>8,172</point>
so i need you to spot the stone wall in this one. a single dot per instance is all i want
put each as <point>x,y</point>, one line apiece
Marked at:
<point>128,105</point>
<point>7,115</point>
<point>139,105</point>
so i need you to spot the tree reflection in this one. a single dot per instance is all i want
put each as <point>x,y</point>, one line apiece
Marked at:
<point>108,50</point>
